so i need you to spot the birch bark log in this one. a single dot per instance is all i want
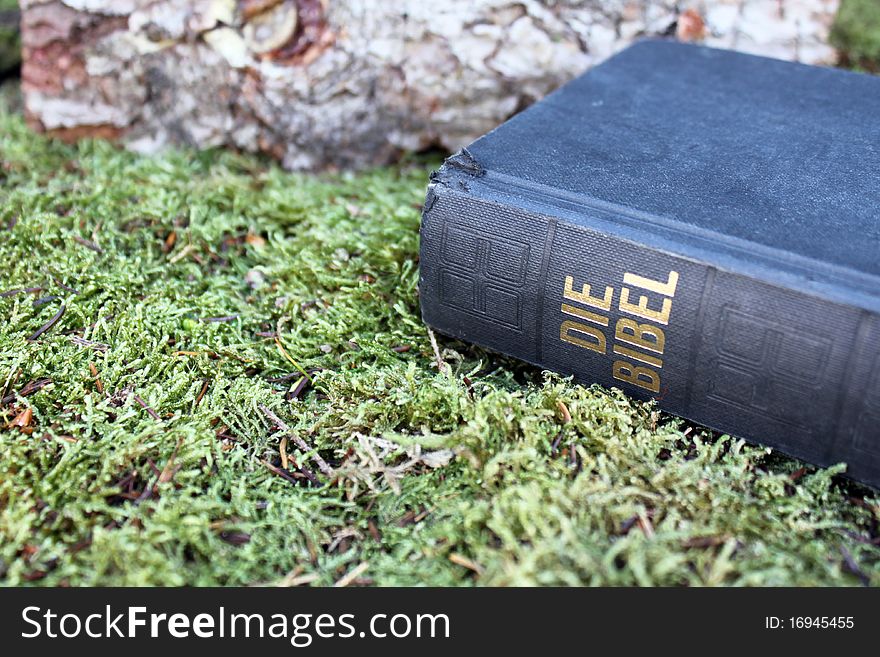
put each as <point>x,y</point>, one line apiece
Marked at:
<point>332,83</point>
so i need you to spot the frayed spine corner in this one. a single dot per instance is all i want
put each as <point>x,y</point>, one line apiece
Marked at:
<point>464,161</point>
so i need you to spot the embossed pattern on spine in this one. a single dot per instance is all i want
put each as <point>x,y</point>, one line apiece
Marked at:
<point>721,259</point>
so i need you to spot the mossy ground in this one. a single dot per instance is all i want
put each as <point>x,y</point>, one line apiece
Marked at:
<point>197,287</point>
<point>191,282</point>
<point>856,33</point>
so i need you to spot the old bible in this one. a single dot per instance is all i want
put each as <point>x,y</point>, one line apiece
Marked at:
<point>694,226</point>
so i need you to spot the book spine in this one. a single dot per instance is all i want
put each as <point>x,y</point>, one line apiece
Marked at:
<point>761,362</point>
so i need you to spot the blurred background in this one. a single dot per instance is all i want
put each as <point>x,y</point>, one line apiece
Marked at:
<point>322,84</point>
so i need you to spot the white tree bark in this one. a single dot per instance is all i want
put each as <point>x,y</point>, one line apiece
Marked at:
<point>333,83</point>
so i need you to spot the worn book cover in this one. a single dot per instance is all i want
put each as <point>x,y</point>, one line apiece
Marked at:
<point>691,225</point>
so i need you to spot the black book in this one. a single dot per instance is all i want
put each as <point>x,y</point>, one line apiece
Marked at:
<point>691,225</point>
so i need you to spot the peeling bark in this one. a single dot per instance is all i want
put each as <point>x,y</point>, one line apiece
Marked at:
<point>327,83</point>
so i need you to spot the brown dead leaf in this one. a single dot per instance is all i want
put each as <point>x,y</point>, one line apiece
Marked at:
<point>23,419</point>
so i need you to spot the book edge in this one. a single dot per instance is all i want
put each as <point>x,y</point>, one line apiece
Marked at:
<point>462,173</point>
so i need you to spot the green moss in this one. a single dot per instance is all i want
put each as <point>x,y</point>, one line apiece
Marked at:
<point>856,33</point>
<point>131,474</point>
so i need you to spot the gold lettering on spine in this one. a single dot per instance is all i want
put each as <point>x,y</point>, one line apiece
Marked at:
<point>584,295</point>
<point>640,344</point>
<point>570,327</point>
<point>635,355</point>
<point>641,308</point>
<point>667,289</point>
<point>644,336</point>
<point>640,376</point>
<point>584,314</point>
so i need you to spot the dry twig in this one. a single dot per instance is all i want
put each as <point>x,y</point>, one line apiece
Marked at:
<point>352,575</point>
<point>153,414</point>
<point>321,463</point>
<point>464,562</point>
<point>45,327</point>
<point>442,365</point>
